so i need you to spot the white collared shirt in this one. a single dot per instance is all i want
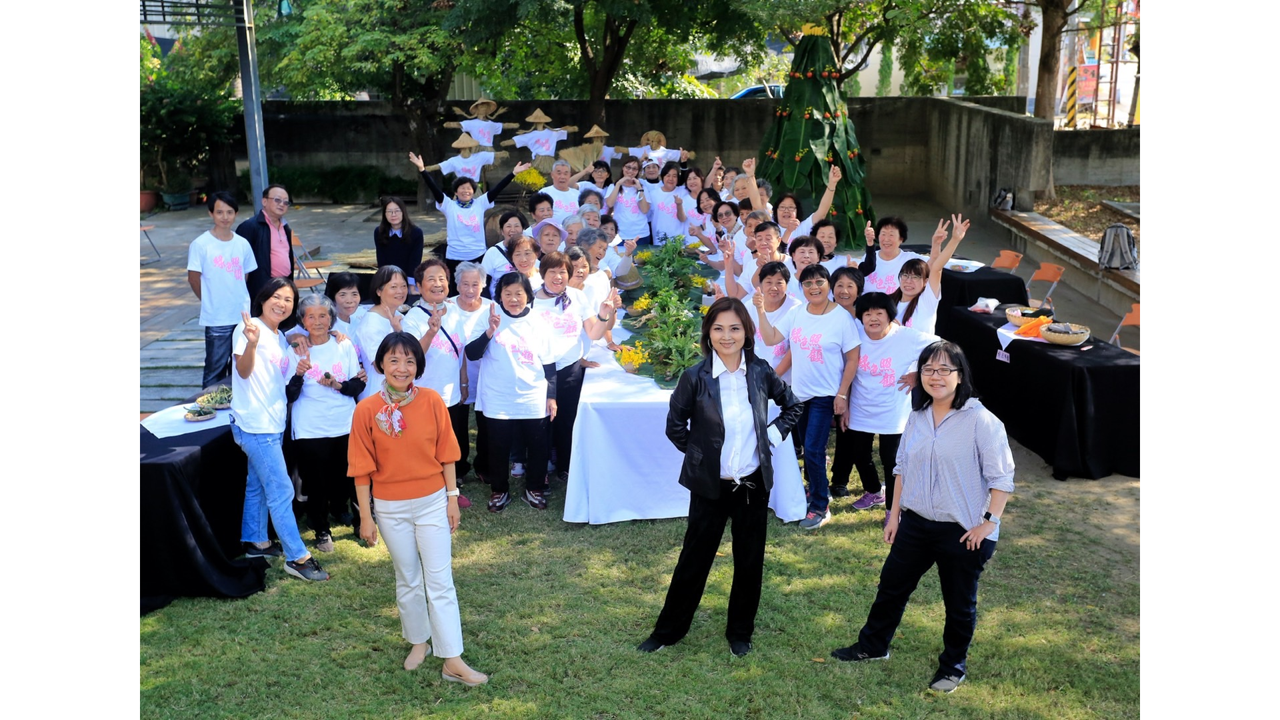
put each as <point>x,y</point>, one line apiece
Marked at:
<point>740,455</point>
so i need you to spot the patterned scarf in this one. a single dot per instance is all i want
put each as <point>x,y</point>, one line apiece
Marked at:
<point>390,419</point>
<point>562,300</point>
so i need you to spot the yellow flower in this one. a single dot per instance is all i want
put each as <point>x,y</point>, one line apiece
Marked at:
<point>705,308</point>
<point>643,257</point>
<point>531,179</point>
<point>634,356</point>
<point>644,303</point>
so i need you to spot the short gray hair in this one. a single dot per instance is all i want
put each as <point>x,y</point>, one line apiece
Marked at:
<point>466,267</point>
<point>589,237</point>
<point>574,219</point>
<point>314,299</point>
<point>558,163</point>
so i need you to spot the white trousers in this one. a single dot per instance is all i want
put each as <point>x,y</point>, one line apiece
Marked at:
<point>417,536</point>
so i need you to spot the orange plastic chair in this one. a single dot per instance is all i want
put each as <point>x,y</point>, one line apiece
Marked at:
<point>1008,260</point>
<point>1050,273</point>
<point>1130,318</point>
<point>306,266</point>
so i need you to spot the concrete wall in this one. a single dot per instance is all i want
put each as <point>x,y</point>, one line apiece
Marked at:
<point>1011,103</point>
<point>1097,157</point>
<point>973,151</point>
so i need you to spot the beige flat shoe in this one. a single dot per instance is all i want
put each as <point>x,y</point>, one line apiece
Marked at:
<point>477,678</point>
<point>414,666</point>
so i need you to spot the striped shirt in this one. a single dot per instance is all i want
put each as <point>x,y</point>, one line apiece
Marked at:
<point>948,472</point>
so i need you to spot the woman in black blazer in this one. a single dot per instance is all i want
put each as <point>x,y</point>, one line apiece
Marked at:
<point>719,420</point>
<point>397,241</point>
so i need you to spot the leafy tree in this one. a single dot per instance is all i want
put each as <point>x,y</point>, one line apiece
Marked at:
<point>598,48</point>
<point>960,41</point>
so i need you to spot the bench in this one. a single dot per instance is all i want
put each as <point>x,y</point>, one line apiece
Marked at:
<point>1044,240</point>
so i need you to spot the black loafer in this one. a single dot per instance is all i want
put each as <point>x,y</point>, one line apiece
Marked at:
<point>739,647</point>
<point>839,491</point>
<point>650,645</point>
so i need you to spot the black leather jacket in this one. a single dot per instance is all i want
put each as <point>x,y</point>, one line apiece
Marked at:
<point>695,426</point>
<point>258,233</point>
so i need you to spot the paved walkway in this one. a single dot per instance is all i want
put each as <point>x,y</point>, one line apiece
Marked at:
<point>172,341</point>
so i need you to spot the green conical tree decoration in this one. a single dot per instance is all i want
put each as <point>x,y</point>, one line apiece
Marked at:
<point>811,132</point>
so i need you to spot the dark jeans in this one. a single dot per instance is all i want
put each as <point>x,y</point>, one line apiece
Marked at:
<point>815,427</point>
<point>503,434</point>
<point>322,465</point>
<point>748,509</point>
<point>918,545</point>
<point>458,419</point>
<point>217,354</point>
<point>568,392</point>
<point>853,449</point>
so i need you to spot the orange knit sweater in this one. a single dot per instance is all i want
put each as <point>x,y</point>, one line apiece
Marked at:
<point>410,466</point>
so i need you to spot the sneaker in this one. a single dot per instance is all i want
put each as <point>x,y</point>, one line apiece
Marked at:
<point>324,542</point>
<point>814,520</point>
<point>944,683</point>
<point>868,500</point>
<point>517,470</point>
<point>650,645</point>
<point>272,550</point>
<point>839,491</point>
<point>308,569</point>
<point>739,648</point>
<point>854,654</point>
<point>497,501</point>
<point>536,500</point>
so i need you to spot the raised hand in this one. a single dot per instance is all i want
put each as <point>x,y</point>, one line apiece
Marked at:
<point>726,246</point>
<point>834,176</point>
<point>679,201</point>
<point>790,223</point>
<point>758,300</point>
<point>940,234</point>
<point>684,155</point>
<point>716,291</point>
<point>717,164</point>
<point>959,227</point>
<point>749,166</point>
<point>629,246</point>
<point>433,324</point>
<point>303,365</point>
<point>494,319</point>
<point>870,234</point>
<point>395,321</point>
<point>250,330</point>
<point>417,161</point>
<point>521,167</point>
<point>616,300</point>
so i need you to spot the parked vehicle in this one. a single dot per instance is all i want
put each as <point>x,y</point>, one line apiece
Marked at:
<point>758,91</point>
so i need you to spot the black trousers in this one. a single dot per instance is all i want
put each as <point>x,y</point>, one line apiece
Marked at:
<point>322,465</point>
<point>503,434</point>
<point>748,509</point>
<point>458,419</point>
<point>918,545</point>
<point>853,449</point>
<point>481,464</point>
<point>568,393</point>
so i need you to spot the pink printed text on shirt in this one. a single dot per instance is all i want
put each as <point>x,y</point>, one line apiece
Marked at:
<point>884,371</point>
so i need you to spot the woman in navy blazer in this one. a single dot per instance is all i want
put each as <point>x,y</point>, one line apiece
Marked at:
<point>727,468</point>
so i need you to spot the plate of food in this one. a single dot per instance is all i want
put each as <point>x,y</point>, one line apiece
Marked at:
<point>964,265</point>
<point>218,399</point>
<point>200,413</point>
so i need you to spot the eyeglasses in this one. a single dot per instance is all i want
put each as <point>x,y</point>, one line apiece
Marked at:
<point>910,277</point>
<point>727,215</point>
<point>279,201</point>
<point>943,371</point>
<point>813,283</point>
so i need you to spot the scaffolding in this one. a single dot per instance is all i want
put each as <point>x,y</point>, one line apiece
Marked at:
<point>1093,48</point>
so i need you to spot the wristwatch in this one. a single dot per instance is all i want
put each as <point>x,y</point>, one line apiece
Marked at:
<point>452,493</point>
<point>992,518</point>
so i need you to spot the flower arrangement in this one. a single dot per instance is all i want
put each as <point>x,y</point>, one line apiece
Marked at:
<point>642,257</point>
<point>531,180</point>
<point>644,303</point>
<point>632,357</point>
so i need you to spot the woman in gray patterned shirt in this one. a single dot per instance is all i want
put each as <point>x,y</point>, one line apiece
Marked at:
<point>953,476</point>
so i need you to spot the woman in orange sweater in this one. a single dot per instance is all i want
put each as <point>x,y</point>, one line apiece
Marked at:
<point>402,451</point>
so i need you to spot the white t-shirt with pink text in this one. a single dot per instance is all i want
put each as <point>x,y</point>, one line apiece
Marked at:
<point>877,405</point>
<point>468,167</point>
<point>564,202</point>
<point>512,383</point>
<point>258,402</point>
<point>568,339</point>
<point>223,266</point>
<point>320,411</point>
<point>818,344</point>
<point>925,317</point>
<point>464,227</point>
<point>632,222</point>
<point>482,130</point>
<point>664,214</point>
<point>773,354</point>
<point>885,277</point>
<point>541,142</point>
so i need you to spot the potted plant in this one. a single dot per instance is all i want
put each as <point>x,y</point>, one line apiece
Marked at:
<point>176,190</point>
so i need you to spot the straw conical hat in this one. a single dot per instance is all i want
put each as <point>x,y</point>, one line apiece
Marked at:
<point>653,137</point>
<point>595,132</point>
<point>466,141</point>
<point>483,101</point>
<point>538,117</point>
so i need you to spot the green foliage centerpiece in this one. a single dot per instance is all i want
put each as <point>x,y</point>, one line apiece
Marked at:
<point>665,313</point>
<point>811,132</point>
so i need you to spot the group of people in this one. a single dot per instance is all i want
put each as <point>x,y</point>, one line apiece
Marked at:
<point>377,399</point>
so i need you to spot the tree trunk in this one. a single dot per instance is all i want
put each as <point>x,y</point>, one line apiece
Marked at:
<point>1053,20</point>
<point>423,107</point>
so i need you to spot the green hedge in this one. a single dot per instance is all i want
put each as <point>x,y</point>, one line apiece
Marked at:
<point>343,184</point>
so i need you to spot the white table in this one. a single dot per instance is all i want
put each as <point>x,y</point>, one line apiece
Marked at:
<point>625,468</point>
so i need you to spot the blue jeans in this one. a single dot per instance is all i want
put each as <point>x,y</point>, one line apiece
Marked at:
<point>268,490</point>
<point>217,354</point>
<point>815,427</point>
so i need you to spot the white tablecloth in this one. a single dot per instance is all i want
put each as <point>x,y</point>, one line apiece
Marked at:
<point>625,468</point>
<point>172,421</point>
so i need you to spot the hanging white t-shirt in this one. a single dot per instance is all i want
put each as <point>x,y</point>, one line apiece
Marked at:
<point>443,358</point>
<point>664,215</point>
<point>482,130</point>
<point>370,332</point>
<point>464,227</point>
<point>564,202</point>
<point>885,277</point>
<point>925,318</point>
<point>541,142</point>
<point>320,411</point>
<point>818,345</point>
<point>632,223</point>
<point>470,325</point>
<point>608,154</point>
<point>468,167</point>
<point>877,405</point>
<point>512,383</point>
<point>223,266</point>
<point>773,354</point>
<point>258,402</point>
<point>661,156</point>
<point>568,340</point>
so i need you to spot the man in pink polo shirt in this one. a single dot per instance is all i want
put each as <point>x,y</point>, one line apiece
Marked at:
<point>270,237</point>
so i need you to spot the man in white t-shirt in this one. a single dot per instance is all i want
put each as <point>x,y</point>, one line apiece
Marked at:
<point>217,264</point>
<point>563,194</point>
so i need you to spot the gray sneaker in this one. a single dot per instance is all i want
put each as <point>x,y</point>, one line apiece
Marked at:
<point>324,542</point>
<point>308,569</point>
<point>814,520</point>
<point>945,683</point>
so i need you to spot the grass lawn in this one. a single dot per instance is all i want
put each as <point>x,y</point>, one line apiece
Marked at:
<point>553,612</point>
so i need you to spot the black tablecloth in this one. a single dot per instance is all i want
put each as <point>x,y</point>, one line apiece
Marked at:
<point>192,493</point>
<point>1077,409</point>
